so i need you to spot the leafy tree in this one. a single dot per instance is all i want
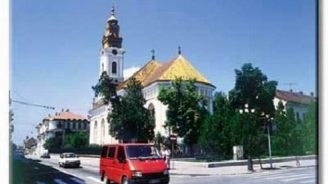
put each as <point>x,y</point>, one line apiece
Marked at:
<point>105,87</point>
<point>130,120</point>
<point>311,124</point>
<point>253,88</point>
<point>186,110</point>
<point>216,135</point>
<point>51,143</point>
<point>76,140</point>
<point>283,135</point>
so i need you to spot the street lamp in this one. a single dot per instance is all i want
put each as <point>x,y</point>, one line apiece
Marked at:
<point>269,139</point>
<point>246,110</point>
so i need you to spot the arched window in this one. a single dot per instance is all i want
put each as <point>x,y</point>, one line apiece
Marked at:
<point>114,67</point>
<point>151,108</point>
<point>102,131</point>
<point>95,132</point>
<point>102,67</point>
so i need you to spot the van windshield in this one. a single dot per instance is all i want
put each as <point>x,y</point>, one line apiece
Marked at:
<point>142,151</point>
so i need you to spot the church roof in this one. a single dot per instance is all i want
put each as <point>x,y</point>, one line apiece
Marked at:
<point>154,71</point>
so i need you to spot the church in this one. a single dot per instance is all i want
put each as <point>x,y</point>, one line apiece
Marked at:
<point>154,75</point>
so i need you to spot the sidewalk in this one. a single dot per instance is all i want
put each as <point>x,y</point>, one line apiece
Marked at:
<point>221,168</point>
<point>182,169</point>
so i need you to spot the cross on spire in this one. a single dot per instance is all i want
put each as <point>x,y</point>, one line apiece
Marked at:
<point>179,50</point>
<point>113,10</point>
<point>153,54</point>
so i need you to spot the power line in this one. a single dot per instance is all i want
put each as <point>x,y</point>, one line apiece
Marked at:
<point>33,104</point>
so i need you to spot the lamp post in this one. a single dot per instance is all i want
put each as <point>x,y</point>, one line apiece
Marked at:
<point>246,110</point>
<point>269,139</point>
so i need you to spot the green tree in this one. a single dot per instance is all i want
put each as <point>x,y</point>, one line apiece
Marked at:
<point>186,110</point>
<point>105,87</point>
<point>311,124</point>
<point>253,88</point>
<point>216,132</point>
<point>77,139</point>
<point>130,120</point>
<point>51,143</point>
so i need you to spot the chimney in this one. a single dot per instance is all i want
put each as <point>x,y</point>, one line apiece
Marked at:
<point>301,92</point>
<point>312,94</point>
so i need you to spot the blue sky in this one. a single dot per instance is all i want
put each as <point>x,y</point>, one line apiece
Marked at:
<point>55,45</point>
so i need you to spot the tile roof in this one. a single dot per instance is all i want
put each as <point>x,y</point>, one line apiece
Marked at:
<point>296,97</point>
<point>179,67</point>
<point>66,116</point>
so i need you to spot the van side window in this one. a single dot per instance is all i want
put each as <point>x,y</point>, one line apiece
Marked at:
<point>111,152</point>
<point>104,151</point>
<point>121,153</point>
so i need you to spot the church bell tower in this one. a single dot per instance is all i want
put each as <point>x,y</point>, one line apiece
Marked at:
<point>111,53</point>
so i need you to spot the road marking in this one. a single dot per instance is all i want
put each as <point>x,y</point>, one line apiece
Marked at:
<point>77,180</point>
<point>308,181</point>
<point>94,179</point>
<point>287,176</point>
<point>59,181</point>
<point>292,179</point>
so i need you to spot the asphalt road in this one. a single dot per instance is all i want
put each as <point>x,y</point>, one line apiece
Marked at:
<point>89,175</point>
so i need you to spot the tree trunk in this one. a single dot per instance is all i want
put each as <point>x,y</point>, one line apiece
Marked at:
<point>298,164</point>
<point>260,162</point>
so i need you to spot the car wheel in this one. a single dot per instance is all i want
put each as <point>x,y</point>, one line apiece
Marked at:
<point>125,180</point>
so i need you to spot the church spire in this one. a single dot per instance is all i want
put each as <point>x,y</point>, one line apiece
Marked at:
<point>111,36</point>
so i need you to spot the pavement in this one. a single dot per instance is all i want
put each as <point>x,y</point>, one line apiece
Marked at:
<point>200,168</point>
<point>284,172</point>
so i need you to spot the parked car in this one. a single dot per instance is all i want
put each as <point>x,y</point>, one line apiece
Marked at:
<point>132,164</point>
<point>45,155</point>
<point>69,160</point>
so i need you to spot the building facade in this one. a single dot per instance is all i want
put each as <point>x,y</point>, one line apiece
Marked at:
<point>56,126</point>
<point>154,75</point>
<point>297,101</point>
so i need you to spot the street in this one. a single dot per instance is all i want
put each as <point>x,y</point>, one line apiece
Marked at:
<point>89,174</point>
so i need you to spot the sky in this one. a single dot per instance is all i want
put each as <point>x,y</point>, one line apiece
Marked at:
<point>55,46</point>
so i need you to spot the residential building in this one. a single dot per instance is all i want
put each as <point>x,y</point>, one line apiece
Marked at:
<point>153,76</point>
<point>298,101</point>
<point>57,125</point>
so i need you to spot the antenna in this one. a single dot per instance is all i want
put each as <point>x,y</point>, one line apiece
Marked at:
<point>289,84</point>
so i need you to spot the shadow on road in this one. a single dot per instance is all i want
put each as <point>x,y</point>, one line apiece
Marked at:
<point>25,171</point>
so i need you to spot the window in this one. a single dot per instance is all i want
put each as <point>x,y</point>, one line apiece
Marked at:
<point>104,151</point>
<point>95,132</point>
<point>74,125</point>
<point>102,67</point>
<point>297,116</point>
<point>59,124</point>
<point>80,126</point>
<point>111,152</point>
<point>120,153</point>
<point>114,67</point>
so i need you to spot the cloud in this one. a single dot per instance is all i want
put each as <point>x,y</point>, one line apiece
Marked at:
<point>130,71</point>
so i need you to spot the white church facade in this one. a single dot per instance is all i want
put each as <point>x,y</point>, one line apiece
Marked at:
<point>154,75</point>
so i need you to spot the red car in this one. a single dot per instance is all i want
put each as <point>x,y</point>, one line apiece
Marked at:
<point>132,164</point>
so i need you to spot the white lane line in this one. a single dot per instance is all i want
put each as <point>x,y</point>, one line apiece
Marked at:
<point>308,181</point>
<point>94,179</point>
<point>38,182</point>
<point>59,181</point>
<point>77,180</point>
<point>288,176</point>
<point>292,179</point>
